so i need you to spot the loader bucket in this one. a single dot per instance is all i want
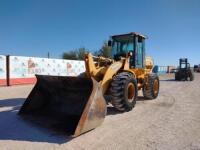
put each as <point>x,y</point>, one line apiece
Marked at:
<point>71,104</point>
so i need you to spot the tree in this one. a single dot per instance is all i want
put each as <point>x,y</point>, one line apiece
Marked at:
<point>81,53</point>
<point>77,54</point>
<point>105,51</point>
<point>70,55</point>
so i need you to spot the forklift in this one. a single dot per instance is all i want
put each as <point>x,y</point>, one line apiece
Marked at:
<point>197,68</point>
<point>184,73</point>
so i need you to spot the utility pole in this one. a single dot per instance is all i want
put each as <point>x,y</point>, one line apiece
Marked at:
<point>48,55</point>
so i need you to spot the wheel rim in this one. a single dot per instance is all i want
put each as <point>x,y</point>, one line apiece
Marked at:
<point>131,92</point>
<point>156,87</point>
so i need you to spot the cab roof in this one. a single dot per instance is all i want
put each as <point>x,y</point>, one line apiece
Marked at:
<point>130,34</point>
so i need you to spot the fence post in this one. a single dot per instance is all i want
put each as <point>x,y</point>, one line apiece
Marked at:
<point>8,70</point>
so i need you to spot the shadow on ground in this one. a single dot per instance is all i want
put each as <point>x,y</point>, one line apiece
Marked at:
<point>142,98</point>
<point>173,80</point>
<point>113,111</point>
<point>14,127</point>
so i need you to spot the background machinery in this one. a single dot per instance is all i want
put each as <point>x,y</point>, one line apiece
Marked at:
<point>78,104</point>
<point>197,68</point>
<point>184,72</point>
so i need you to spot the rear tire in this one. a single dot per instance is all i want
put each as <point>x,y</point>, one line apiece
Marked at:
<point>151,89</point>
<point>124,91</point>
<point>191,76</point>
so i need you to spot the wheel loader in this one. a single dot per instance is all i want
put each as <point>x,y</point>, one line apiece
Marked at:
<point>79,104</point>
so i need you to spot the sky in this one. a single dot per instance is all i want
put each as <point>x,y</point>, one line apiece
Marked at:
<point>36,27</point>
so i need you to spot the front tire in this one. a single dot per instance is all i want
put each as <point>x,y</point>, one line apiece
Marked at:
<point>124,91</point>
<point>177,77</point>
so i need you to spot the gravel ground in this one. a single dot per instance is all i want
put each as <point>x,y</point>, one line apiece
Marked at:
<point>172,121</point>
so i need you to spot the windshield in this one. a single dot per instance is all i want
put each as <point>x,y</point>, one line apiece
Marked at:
<point>121,48</point>
<point>183,66</point>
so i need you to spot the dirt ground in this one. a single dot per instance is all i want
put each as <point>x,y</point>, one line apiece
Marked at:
<point>172,121</point>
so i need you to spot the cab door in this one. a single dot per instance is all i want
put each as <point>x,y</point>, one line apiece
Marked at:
<point>139,53</point>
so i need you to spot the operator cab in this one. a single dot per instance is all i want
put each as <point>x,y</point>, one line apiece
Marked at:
<point>129,43</point>
<point>183,63</point>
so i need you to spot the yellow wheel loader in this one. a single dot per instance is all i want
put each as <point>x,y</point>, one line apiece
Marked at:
<point>79,104</point>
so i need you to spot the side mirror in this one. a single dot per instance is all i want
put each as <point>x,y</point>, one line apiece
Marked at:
<point>130,54</point>
<point>110,43</point>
